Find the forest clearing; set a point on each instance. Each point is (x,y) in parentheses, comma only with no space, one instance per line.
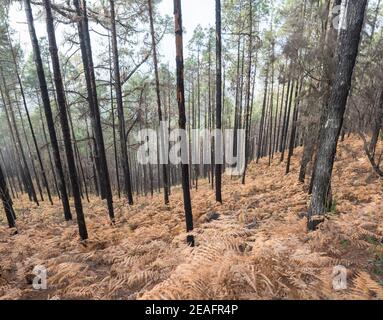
(256,246)
(191,150)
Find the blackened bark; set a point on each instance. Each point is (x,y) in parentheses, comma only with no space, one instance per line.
(293,133)
(17,140)
(28,147)
(248,91)
(287,123)
(45,137)
(62,106)
(378,124)
(159,110)
(113,121)
(182,116)
(329,64)
(6,200)
(43,173)
(348,51)
(48,112)
(218,142)
(263,115)
(87,59)
(120,108)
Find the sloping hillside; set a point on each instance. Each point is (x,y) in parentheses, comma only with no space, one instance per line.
(254,246)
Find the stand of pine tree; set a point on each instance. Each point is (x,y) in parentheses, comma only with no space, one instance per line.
(242,159)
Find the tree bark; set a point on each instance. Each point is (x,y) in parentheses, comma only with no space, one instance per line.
(120,108)
(48,112)
(62,106)
(6,200)
(348,51)
(218,143)
(182,116)
(87,59)
(159,109)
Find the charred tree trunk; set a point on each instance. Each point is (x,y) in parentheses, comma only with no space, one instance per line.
(62,106)
(294,126)
(87,59)
(348,51)
(159,109)
(43,173)
(120,109)
(48,111)
(378,124)
(17,140)
(218,142)
(182,116)
(248,91)
(114,122)
(6,200)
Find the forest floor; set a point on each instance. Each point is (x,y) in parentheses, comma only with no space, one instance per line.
(254,246)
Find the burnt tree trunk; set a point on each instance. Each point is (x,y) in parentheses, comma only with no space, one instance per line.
(62,106)
(248,91)
(218,142)
(182,116)
(6,200)
(43,173)
(17,140)
(120,109)
(87,60)
(348,51)
(159,109)
(48,112)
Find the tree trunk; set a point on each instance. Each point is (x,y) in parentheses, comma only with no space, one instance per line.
(87,59)
(248,90)
(182,116)
(159,109)
(62,106)
(48,112)
(348,51)
(113,121)
(218,100)
(294,126)
(378,124)
(6,200)
(120,109)
(17,140)
(45,181)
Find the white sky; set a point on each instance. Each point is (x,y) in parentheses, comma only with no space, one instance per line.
(194,12)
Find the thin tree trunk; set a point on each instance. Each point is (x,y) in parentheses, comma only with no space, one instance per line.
(159,109)
(87,59)
(7,201)
(293,133)
(120,109)
(247,112)
(45,181)
(218,100)
(29,150)
(286,125)
(263,115)
(48,111)
(12,120)
(113,121)
(182,116)
(62,105)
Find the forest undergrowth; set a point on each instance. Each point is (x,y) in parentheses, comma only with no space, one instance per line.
(254,246)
